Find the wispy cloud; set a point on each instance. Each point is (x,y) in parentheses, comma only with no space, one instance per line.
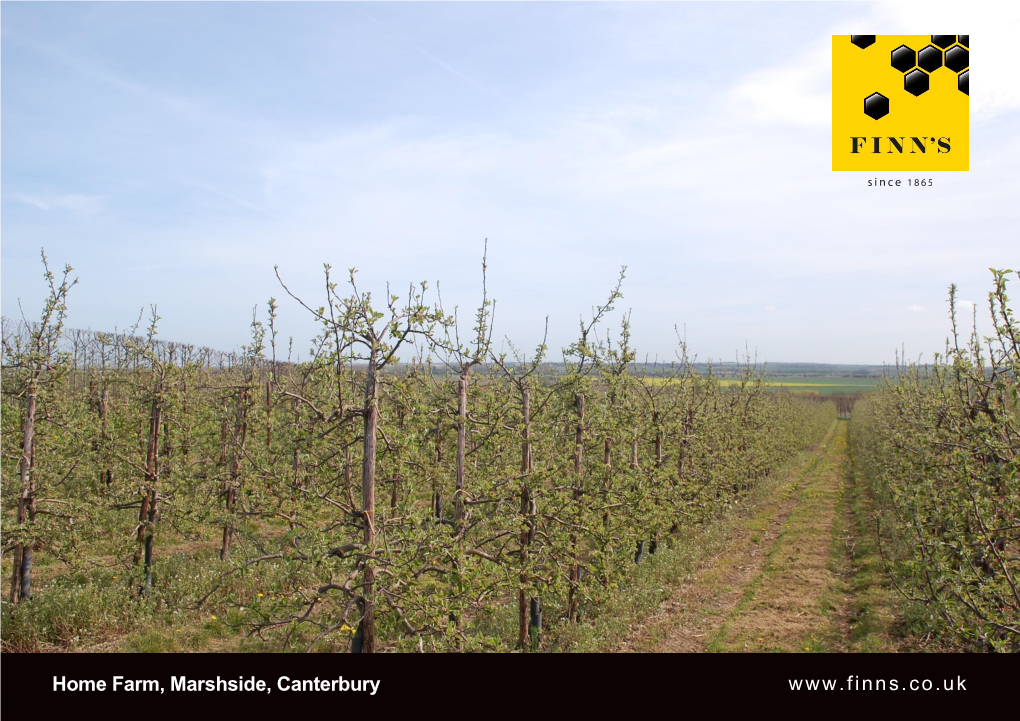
(430,55)
(233,198)
(73,203)
(95,70)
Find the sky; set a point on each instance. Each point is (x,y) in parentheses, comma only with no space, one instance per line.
(174,153)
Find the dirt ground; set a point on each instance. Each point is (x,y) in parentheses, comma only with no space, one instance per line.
(780,584)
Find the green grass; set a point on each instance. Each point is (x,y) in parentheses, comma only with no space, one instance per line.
(806,384)
(854,554)
(656,579)
(822,386)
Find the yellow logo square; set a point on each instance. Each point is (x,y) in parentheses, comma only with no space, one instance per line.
(900,102)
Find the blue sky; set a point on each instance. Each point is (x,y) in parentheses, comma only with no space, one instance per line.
(174,153)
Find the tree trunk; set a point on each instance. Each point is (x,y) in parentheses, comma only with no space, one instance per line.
(461,447)
(240,435)
(437,496)
(527,522)
(640,552)
(654,546)
(106,475)
(21,577)
(150,530)
(575,569)
(658,440)
(371,427)
(269,413)
(224,429)
(607,461)
(147,512)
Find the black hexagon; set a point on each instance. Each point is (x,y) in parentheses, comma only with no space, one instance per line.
(863,41)
(943,41)
(916,82)
(957,58)
(929,59)
(964,40)
(903,58)
(876,106)
(963,82)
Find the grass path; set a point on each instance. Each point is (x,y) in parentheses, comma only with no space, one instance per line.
(797,575)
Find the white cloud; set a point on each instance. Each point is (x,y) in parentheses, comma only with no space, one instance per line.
(994,28)
(795,94)
(798,93)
